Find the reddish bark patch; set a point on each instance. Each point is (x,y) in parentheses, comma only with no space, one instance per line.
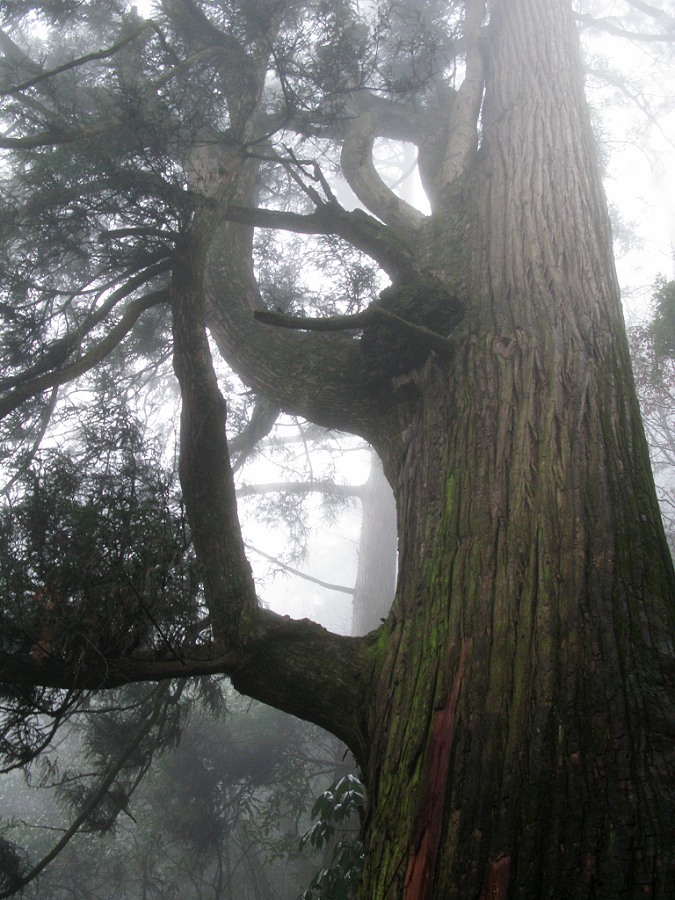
(428,828)
(497,879)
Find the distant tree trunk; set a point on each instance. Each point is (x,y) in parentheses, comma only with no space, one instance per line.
(376,571)
(260,888)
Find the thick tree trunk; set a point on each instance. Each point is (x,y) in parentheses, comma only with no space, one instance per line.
(514,715)
(521,716)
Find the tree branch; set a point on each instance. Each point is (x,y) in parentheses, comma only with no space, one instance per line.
(57,136)
(374,314)
(647,8)
(609,26)
(331,587)
(322,378)
(87,361)
(294,665)
(356,227)
(58,351)
(263,419)
(204,464)
(462,137)
(330,488)
(361,175)
(35,446)
(81,60)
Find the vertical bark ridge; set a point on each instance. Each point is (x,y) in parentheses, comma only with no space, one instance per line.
(429,821)
(528,529)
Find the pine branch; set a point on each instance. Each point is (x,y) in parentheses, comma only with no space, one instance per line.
(59,350)
(90,359)
(80,61)
(161,692)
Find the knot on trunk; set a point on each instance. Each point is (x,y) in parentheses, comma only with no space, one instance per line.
(390,351)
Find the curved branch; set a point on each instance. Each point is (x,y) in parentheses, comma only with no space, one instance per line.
(397,120)
(361,175)
(91,358)
(462,139)
(356,227)
(321,377)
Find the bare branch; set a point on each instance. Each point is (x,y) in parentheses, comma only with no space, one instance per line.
(374,314)
(340,588)
(360,173)
(330,488)
(610,26)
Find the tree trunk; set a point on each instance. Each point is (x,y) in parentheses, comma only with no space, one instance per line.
(520,717)
(514,715)
(376,570)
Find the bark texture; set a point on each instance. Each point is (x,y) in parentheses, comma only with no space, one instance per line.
(524,700)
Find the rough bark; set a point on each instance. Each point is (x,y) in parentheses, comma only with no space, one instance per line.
(520,725)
